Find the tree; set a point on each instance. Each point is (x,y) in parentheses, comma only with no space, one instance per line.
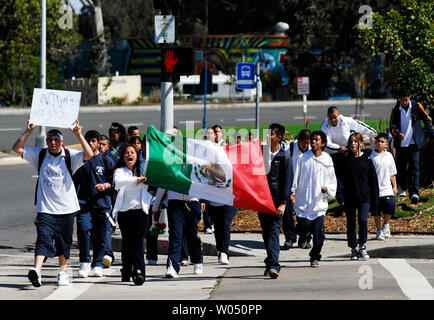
(20,22)
(406,36)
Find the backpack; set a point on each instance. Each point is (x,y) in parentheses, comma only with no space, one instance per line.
(41,158)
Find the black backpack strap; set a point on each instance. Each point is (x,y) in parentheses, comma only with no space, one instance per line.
(41,158)
(291,148)
(68,161)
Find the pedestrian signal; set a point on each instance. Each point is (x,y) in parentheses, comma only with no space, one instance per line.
(177,60)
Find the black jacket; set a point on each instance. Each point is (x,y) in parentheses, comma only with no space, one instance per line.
(417,114)
(280,177)
(359,179)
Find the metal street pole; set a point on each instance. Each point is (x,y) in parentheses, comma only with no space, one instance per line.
(40,139)
(258,84)
(305,110)
(204,126)
(166,122)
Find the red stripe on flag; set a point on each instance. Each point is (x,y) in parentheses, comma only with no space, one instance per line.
(250,185)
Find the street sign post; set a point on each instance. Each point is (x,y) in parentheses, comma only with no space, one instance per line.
(303,89)
(245,75)
(165,29)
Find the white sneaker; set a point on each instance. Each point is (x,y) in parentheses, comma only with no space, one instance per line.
(198,268)
(184,262)
(85,267)
(171,272)
(386,231)
(63,279)
(223,258)
(208,231)
(380,235)
(107,261)
(34,276)
(363,254)
(96,272)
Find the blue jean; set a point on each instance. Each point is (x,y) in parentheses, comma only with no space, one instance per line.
(270,225)
(222,217)
(207,219)
(362,219)
(314,228)
(92,227)
(408,178)
(288,226)
(108,248)
(183,218)
(151,242)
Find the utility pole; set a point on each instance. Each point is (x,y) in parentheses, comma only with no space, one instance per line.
(166,120)
(258,85)
(204,121)
(40,138)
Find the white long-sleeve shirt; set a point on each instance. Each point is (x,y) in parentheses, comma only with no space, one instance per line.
(311,174)
(338,136)
(130,194)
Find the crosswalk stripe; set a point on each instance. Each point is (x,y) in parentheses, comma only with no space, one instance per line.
(412,283)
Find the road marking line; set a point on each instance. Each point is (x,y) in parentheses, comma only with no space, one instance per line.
(412,283)
(10,129)
(133,124)
(245,120)
(301,118)
(75,289)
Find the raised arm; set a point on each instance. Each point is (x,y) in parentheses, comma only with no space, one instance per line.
(19,144)
(88,154)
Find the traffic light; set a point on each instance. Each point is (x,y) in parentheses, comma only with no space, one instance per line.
(176,60)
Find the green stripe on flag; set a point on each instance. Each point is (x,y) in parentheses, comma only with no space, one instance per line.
(167,167)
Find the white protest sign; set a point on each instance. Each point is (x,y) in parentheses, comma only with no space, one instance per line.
(55,108)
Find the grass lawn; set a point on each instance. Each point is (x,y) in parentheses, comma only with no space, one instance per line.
(292,128)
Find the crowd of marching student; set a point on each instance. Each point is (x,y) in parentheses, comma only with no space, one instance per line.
(106,187)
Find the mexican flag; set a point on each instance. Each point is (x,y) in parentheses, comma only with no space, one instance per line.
(233,175)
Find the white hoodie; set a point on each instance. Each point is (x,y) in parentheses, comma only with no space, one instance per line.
(311,174)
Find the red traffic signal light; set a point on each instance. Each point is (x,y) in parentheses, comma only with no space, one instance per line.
(177,60)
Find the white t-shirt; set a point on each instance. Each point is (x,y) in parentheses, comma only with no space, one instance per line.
(385,167)
(56,192)
(406,127)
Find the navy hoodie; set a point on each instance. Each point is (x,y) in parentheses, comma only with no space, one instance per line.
(90,174)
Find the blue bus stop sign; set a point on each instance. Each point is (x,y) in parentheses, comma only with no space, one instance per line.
(245,75)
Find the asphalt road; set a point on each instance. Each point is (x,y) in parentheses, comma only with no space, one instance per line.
(11,125)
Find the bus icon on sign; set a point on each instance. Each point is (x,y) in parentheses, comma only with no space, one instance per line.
(245,72)
(245,75)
